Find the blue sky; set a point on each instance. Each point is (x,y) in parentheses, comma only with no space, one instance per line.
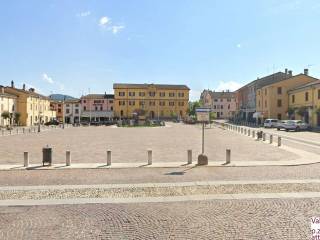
(69,46)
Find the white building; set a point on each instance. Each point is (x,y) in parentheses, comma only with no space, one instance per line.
(72,111)
(8,103)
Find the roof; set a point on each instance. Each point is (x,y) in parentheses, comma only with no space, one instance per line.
(315,82)
(146,85)
(28,92)
(271,79)
(73,100)
(8,95)
(213,94)
(99,96)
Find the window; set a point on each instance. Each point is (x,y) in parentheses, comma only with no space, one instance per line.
(59,110)
(221,100)
(265,92)
(132,94)
(84,101)
(279,90)
(77,105)
(142,94)
(229,106)
(259,103)
(171,94)
(171,103)
(318,93)
(279,116)
(110,101)
(181,94)
(228,99)
(279,103)
(214,107)
(221,107)
(132,103)
(293,98)
(306,96)
(67,111)
(77,111)
(141,103)
(101,108)
(181,104)
(216,100)
(111,108)
(122,103)
(122,94)
(152,103)
(84,108)
(265,103)
(162,103)
(152,94)
(162,94)
(96,108)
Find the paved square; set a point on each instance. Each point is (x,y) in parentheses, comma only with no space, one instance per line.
(169,144)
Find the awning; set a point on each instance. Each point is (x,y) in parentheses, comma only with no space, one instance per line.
(257,115)
(97,114)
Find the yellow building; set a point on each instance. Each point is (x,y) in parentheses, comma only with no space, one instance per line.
(8,105)
(272,97)
(34,108)
(304,103)
(152,100)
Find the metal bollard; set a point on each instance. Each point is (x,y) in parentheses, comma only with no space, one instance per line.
(149,157)
(249,132)
(108,158)
(263,137)
(189,156)
(279,141)
(68,158)
(271,139)
(253,134)
(241,130)
(245,131)
(25,159)
(228,156)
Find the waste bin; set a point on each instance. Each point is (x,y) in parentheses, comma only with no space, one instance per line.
(47,156)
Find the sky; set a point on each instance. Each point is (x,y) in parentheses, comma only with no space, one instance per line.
(75,46)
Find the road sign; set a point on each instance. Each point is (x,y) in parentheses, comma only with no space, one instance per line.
(203,114)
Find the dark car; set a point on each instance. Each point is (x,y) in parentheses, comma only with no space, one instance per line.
(52,122)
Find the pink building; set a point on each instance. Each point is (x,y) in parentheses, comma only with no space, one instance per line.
(97,107)
(223,104)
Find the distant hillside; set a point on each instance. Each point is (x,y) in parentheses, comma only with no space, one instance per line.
(60,97)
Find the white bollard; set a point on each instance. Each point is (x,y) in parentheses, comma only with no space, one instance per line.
(263,137)
(228,156)
(253,134)
(189,156)
(149,157)
(68,158)
(26,159)
(249,132)
(108,158)
(271,139)
(279,141)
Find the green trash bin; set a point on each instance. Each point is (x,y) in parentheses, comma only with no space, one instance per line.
(47,156)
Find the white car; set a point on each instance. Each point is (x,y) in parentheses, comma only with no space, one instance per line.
(270,123)
(295,125)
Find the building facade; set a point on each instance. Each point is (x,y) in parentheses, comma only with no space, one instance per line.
(97,107)
(223,104)
(304,103)
(272,99)
(72,111)
(155,101)
(8,104)
(58,107)
(33,107)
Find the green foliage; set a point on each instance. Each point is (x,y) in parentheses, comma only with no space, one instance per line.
(302,111)
(213,116)
(5,115)
(17,117)
(192,107)
(291,111)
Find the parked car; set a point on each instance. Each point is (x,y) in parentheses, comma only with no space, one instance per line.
(295,125)
(52,122)
(270,123)
(280,124)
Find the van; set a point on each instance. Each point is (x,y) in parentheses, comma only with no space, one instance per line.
(270,123)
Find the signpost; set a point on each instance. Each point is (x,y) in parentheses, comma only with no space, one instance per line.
(203,116)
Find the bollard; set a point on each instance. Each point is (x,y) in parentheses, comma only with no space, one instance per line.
(271,139)
(108,158)
(253,134)
(279,141)
(10,131)
(263,137)
(189,156)
(25,159)
(249,132)
(149,157)
(17,130)
(68,158)
(23,130)
(245,131)
(228,156)
(241,130)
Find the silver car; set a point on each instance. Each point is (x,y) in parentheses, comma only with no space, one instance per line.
(295,125)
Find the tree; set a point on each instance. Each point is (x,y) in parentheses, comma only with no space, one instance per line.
(212,116)
(5,115)
(17,117)
(192,107)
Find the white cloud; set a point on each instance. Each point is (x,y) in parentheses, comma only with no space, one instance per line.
(46,78)
(116,29)
(104,21)
(194,95)
(231,85)
(84,14)
(239,45)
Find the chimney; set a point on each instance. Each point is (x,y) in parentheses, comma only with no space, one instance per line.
(12,84)
(31,89)
(290,73)
(306,71)
(23,87)
(286,71)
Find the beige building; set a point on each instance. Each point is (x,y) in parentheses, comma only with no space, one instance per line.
(272,97)
(152,100)
(7,105)
(33,107)
(223,104)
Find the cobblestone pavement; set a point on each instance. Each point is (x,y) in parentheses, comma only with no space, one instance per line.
(143,175)
(169,144)
(215,219)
